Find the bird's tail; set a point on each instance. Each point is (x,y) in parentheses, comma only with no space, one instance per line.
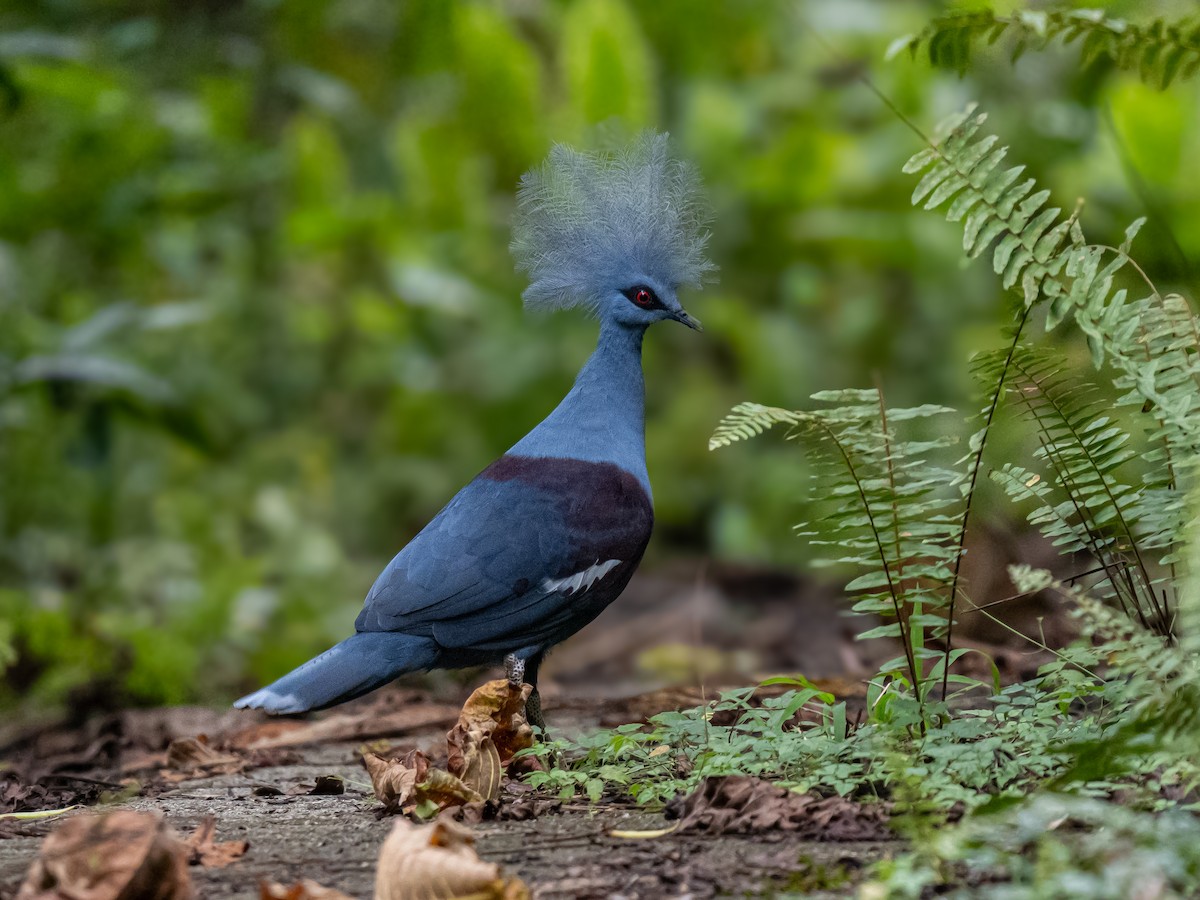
(359,664)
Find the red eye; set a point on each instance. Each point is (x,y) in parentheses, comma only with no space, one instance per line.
(643,298)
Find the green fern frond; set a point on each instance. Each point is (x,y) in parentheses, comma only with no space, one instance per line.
(1056,521)
(1158,52)
(892,512)
(996,207)
(1152,344)
(1084,447)
(747,420)
(886,509)
(1164,680)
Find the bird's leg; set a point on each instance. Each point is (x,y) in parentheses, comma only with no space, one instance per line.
(519,671)
(533,711)
(514,670)
(533,706)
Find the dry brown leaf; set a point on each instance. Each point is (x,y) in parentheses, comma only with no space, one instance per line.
(445,790)
(195,758)
(123,855)
(491,728)
(495,710)
(301,890)
(438,862)
(508,811)
(141,761)
(395,779)
(204,851)
(739,804)
(480,761)
(20,793)
(405,783)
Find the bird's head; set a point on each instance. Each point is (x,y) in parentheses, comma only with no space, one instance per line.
(617,233)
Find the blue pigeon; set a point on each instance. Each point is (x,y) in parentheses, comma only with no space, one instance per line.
(546,537)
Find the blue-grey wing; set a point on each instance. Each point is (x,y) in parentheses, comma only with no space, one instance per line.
(528,549)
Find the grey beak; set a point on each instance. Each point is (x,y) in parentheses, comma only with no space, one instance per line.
(688,320)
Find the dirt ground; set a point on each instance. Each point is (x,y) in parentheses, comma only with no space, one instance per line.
(568,852)
(336,840)
(697,627)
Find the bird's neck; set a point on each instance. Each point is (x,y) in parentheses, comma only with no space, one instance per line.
(603,418)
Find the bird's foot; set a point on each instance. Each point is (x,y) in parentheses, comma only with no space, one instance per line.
(514,670)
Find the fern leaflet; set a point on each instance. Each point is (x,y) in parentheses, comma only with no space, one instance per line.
(1159,53)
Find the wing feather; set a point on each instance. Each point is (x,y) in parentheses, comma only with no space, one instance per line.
(515,557)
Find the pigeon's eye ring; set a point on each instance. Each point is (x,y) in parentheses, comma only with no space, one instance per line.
(642,297)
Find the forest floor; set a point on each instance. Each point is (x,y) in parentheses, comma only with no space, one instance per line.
(263,780)
(565,851)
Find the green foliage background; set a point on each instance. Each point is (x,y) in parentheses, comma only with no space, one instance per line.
(258,320)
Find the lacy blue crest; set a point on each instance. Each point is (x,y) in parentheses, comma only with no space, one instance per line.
(588,223)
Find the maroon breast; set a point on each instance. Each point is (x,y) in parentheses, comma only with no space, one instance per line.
(605,509)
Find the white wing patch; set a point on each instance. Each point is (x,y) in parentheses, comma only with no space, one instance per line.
(580,581)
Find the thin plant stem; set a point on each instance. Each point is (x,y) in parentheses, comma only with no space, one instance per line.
(976,466)
(905,635)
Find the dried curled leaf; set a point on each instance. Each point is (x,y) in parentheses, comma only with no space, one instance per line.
(406,783)
(520,810)
(204,851)
(490,730)
(438,862)
(740,804)
(495,710)
(445,790)
(480,764)
(394,780)
(123,855)
(195,758)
